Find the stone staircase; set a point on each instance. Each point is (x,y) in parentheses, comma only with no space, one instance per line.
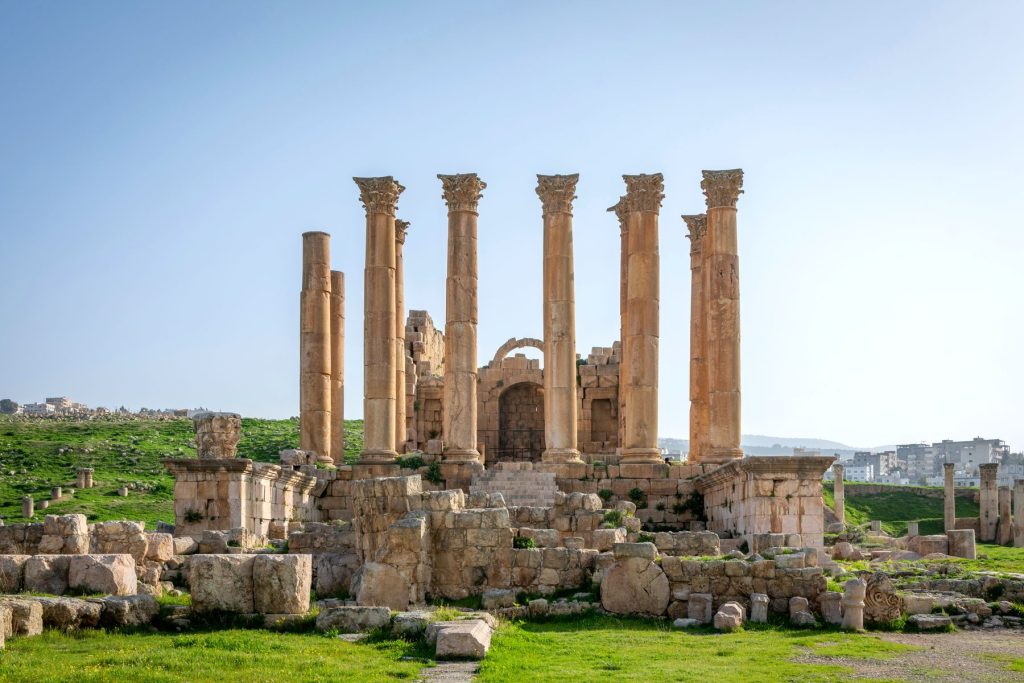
(520,487)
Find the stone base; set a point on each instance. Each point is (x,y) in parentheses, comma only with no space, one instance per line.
(720,456)
(561,455)
(637,470)
(459,475)
(375,456)
(370,470)
(641,455)
(462,455)
(563,470)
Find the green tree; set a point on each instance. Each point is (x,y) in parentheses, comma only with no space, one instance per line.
(7,406)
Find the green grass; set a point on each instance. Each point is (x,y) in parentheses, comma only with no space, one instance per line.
(601,648)
(991,558)
(122,451)
(224,656)
(895,508)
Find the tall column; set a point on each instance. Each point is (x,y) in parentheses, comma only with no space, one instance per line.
(380,197)
(462,194)
(401,227)
(556,194)
(620,213)
(1018,513)
(839,492)
(315,345)
(640,343)
(1004,534)
(989,502)
(949,497)
(722,297)
(338,367)
(697,225)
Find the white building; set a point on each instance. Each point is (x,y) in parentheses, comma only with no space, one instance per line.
(39,409)
(859,473)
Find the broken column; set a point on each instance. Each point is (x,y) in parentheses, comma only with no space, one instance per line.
(56,493)
(28,507)
(459,419)
(217,435)
(1018,513)
(338,367)
(839,493)
(315,345)
(556,194)
(722,297)
(639,367)
(401,228)
(1004,533)
(380,198)
(698,373)
(989,501)
(949,497)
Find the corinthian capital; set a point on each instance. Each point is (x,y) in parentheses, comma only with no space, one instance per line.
(644,192)
(379,195)
(722,188)
(698,225)
(401,227)
(556,192)
(462,191)
(620,213)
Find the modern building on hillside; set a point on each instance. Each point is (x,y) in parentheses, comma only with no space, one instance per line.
(967,455)
(883,463)
(864,473)
(39,409)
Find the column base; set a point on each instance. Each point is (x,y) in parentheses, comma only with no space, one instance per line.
(720,456)
(369,470)
(461,455)
(459,474)
(641,455)
(563,470)
(374,456)
(560,455)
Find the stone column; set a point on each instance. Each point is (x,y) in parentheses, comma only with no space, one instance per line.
(56,493)
(698,371)
(839,493)
(1018,513)
(639,367)
(401,227)
(380,197)
(1004,534)
(854,594)
(989,518)
(338,367)
(315,345)
(722,297)
(459,419)
(620,213)
(88,478)
(556,194)
(949,497)
(27,507)
(80,482)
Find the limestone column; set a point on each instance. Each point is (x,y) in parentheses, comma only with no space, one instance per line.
(401,227)
(338,367)
(698,376)
(380,197)
(1018,513)
(556,194)
(459,416)
(1004,534)
(839,493)
(949,497)
(315,345)
(989,502)
(27,507)
(620,213)
(722,297)
(640,342)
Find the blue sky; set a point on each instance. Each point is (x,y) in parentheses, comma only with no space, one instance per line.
(160,161)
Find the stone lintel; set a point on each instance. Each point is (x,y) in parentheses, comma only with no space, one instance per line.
(379,195)
(557,192)
(722,188)
(178,466)
(765,467)
(461,191)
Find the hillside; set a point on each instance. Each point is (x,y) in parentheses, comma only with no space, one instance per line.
(902,504)
(36,455)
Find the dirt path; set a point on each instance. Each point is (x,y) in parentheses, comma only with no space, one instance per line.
(450,672)
(944,657)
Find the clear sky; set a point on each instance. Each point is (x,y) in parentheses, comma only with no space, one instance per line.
(159,161)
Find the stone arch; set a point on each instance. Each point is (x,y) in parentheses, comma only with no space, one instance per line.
(521,422)
(513,344)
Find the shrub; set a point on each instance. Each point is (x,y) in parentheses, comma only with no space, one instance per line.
(695,506)
(434,473)
(193,516)
(605,494)
(660,507)
(644,537)
(523,542)
(638,497)
(411,462)
(679,509)
(613,519)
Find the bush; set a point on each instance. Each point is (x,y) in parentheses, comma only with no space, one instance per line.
(434,473)
(193,516)
(613,519)
(605,494)
(638,497)
(411,462)
(523,542)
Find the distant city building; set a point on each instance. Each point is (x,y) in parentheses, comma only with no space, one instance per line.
(39,409)
(883,463)
(853,472)
(60,403)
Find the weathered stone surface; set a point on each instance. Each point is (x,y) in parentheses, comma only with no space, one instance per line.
(217,434)
(758,608)
(47,574)
(853,604)
(352,619)
(926,545)
(380,585)
(685,623)
(831,607)
(962,543)
(281,583)
(845,551)
(729,617)
(499,597)
(700,607)
(159,547)
(70,613)
(606,539)
(64,535)
(410,624)
(469,639)
(802,619)
(930,622)
(635,585)
(26,616)
(120,536)
(12,573)
(185,545)
(646,551)
(109,574)
(881,603)
(222,582)
(128,610)
(332,572)
(6,623)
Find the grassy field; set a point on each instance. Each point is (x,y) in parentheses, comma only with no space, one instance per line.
(37,454)
(894,509)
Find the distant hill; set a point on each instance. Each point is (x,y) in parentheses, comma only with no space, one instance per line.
(756,444)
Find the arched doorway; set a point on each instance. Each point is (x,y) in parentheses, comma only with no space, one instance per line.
(521,422)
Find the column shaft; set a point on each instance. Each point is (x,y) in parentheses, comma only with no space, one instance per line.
(560,410)
(698,375)
(380,197)
(620,213)
(640,342)
(315,345)
(401,428)
(722,297)
(459,417)
(839,493)
(1004,533)
(989,502)
(1018,513)
(338,367)
(948,497)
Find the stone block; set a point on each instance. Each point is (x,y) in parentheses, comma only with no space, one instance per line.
(47,574)
(12,573)
(645,551)
(128,610)
(606,539)
(26,616)
(159,547)
(699,607)
(962,543)
(497,598)
(831,607)
(926,545)
(380,585)
(185,545)
(281,583)
(70,613)
(729,617)
(352,619)
(930,622)
(758,608)
(469,639)
(635,585)
(222,583)
(107,574)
